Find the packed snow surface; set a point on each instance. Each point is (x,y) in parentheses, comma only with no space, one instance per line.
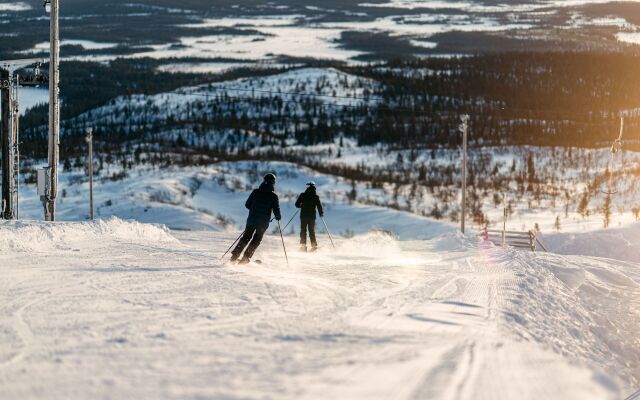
(402,308)
(120,309)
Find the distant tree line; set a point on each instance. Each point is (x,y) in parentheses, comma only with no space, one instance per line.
(545,99)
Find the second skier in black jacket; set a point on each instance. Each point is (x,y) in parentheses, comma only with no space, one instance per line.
(308,202)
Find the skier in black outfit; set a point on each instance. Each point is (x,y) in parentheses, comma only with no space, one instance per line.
(261,203)
(307,203)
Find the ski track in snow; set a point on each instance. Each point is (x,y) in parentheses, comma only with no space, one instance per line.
(125,318)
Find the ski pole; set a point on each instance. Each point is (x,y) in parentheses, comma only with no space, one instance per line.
(234,243)
(329,233)
(294,215)
(283,246)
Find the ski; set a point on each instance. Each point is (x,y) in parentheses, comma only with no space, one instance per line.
(237,262)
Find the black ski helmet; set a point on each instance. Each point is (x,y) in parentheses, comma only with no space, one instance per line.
(270,178)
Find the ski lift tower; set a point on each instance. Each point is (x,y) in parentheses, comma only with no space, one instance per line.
(9,135)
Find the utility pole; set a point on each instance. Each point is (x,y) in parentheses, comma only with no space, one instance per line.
(6,90)
(90,158)
(54,112)
(16,147)
(464,127)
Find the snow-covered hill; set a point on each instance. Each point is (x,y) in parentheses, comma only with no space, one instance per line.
(289,93)
(213,198)
(124,310)
(276,117)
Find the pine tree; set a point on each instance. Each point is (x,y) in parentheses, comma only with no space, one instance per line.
(606,211)
(353,194)
(436,213)
(583,207)
(531,172)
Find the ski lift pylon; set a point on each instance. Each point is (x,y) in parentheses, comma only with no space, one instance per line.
(33,77)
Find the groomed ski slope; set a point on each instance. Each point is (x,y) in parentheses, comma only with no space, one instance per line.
(126,310)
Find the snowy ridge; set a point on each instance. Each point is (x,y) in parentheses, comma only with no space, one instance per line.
(34,236)
(615,243)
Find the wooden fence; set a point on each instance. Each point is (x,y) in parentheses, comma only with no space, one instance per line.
(522,240)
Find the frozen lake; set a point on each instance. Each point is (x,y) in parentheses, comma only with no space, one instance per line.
(29,97)
(349,32)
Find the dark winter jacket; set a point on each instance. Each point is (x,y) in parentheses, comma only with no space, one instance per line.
(261,203)
(308,202)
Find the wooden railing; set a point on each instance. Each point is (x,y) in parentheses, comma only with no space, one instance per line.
(522,240)
(634,396)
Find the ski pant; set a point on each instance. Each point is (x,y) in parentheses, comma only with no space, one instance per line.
(308,224)
(252,236)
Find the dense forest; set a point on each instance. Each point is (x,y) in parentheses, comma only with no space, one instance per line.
(562,99)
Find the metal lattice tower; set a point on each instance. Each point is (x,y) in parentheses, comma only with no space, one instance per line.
(9,135)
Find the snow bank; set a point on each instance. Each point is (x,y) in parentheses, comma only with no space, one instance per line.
(375,247)
(584,308)
(40,236)
(374,244)
(370,250)
(618,243)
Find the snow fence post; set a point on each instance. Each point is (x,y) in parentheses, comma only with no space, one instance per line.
(504,220)
(532,241)
(90,170)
